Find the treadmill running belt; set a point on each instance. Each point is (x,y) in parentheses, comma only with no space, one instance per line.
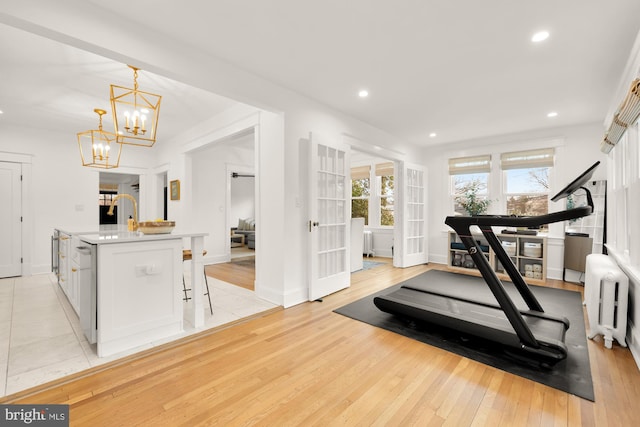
(465,305)
(481,320)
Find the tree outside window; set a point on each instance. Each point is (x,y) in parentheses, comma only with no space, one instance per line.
(470,193)
(469,185)
(527,191)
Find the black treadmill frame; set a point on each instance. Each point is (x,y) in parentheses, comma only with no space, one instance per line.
(462,226)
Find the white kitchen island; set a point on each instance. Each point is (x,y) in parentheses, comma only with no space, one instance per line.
(131,295)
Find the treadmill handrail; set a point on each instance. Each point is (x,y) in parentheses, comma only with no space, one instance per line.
(521,221)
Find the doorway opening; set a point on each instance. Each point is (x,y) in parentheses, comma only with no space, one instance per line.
(224,200)
(112,184)
(242,213)
(373,213)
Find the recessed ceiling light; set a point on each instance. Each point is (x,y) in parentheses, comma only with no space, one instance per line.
(552,114)
(432,135)
(1,112)
(363,93)
(540,36)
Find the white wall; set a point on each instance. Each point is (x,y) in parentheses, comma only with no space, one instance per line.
(577,147)
(623,201)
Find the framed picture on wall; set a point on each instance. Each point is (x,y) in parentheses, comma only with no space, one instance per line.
(175,190)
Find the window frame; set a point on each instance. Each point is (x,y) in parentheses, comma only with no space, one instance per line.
(375,170)
(382,197)
(469,165)
(383,169)
(542,158)
(367,198)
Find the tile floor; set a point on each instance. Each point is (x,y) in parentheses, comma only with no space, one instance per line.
(41,339)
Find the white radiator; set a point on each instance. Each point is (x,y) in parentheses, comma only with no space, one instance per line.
(606,290)
(367,246)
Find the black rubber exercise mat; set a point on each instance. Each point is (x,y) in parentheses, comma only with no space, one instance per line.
(572,375)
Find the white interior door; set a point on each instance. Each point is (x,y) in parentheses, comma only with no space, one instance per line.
(10,219)
(414,208)
(329,225)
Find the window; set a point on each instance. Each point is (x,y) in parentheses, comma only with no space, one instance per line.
(360,192)
(372,194)
(104,202)
(105,197)
(469,183)
(385,184)
(526,181)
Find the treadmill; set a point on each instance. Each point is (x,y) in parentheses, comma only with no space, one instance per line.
(531,335)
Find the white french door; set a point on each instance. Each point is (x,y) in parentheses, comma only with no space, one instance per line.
(10,219)
(329,225)
(414,216)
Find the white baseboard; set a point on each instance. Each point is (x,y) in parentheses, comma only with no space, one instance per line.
(438,259)
(554,273)
(216,259)
(273,296)
(37,269)
(383,253)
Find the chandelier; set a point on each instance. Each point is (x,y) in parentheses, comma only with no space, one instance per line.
(135,113)
(99,143)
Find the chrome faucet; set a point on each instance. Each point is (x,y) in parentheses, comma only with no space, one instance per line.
(135,208)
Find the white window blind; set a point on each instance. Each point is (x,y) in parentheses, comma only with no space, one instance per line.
(360,172)
(384,169)
(527,159)
(468,165)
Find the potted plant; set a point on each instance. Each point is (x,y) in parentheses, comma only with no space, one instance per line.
(470,201)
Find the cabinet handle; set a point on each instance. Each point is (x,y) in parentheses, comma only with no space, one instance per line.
(74,270)
(64,238)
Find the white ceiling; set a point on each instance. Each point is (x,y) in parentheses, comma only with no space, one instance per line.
(462,69)
(49,85)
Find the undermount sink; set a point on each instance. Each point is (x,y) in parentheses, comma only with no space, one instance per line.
(156,227)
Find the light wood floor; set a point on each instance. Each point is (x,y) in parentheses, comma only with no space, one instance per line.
(240,272)
(309,366)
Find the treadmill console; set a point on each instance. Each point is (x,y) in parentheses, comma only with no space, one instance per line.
(576,184)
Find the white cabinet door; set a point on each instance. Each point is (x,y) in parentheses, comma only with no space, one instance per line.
(64,262)
(72,290)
